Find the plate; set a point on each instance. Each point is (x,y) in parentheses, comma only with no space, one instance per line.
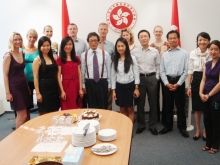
(99,146)
(80,118)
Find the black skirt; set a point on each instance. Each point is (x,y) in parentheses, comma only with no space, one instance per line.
(197,104)
(49,91)
(124,94)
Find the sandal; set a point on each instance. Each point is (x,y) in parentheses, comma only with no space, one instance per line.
(205,148)
(213,151)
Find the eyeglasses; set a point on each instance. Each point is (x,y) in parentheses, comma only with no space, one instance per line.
(93,41)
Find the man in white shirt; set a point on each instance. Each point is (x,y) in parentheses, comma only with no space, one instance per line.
(108,46)
(95,68)
(173,72)
(148,60)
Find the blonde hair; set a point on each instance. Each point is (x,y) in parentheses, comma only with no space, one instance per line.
(10,42)
(103,23)
(47,26)
(32,31)
(131,34)
(158,27)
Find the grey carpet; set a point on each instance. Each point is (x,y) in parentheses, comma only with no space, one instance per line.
(147,149)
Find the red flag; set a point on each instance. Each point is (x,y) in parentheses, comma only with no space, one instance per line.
(175,18)
(65,18)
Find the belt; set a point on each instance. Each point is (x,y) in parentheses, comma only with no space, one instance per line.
(173,77)
(147,75)
(70,77)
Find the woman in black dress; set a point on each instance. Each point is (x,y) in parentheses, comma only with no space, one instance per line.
(45,78)
(16,86)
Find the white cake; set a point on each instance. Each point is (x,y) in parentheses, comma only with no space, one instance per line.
(78,138)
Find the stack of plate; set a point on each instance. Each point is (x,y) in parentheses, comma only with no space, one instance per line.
(107,135)
(78,138)
(93,123)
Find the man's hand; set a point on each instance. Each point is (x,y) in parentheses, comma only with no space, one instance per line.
(175,86)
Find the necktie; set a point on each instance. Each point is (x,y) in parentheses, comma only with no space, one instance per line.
(95,67)
(102,45)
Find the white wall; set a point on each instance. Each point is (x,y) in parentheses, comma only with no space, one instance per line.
(194,16)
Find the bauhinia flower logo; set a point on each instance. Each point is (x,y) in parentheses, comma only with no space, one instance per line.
(121,17)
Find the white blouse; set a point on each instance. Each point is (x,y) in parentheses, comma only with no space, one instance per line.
(125,78)
(194,61)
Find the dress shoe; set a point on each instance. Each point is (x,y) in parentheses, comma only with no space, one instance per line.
(140,130)
(196,137)
(153,131)
(184,133)
(165,130)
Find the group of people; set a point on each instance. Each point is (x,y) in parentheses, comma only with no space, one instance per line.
(94,75)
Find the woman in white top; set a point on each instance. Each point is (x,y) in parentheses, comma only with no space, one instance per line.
(125,78)
(129,36)
(48,31)
(161,46)
(197,60)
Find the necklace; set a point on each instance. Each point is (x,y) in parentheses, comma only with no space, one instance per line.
(18,57)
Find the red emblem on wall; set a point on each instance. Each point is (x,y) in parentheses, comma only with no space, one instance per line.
(121,15)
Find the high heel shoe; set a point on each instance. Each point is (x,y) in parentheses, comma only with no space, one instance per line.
(196,137)
(203,138)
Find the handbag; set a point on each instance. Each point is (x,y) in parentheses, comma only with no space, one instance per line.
(215,105)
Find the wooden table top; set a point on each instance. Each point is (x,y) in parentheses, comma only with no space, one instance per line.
(16,148)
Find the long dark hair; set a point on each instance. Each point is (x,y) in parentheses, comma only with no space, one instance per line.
(128,60)
(63,53)
(50,53)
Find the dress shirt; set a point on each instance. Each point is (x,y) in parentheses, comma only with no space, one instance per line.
(80,46)
(122,77)
(174,63)
(148,60)
(107,65)
(109,47)
(194,60)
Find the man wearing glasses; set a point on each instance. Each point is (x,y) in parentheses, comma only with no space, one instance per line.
(95,68)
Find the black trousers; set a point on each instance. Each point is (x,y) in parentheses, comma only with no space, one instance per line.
(161,86)
(212,125)
(97,93)
(178,97)
(84,101)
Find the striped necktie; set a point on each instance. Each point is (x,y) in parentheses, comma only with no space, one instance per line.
(95,67)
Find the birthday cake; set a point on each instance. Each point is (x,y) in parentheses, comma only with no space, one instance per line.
(90,114)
